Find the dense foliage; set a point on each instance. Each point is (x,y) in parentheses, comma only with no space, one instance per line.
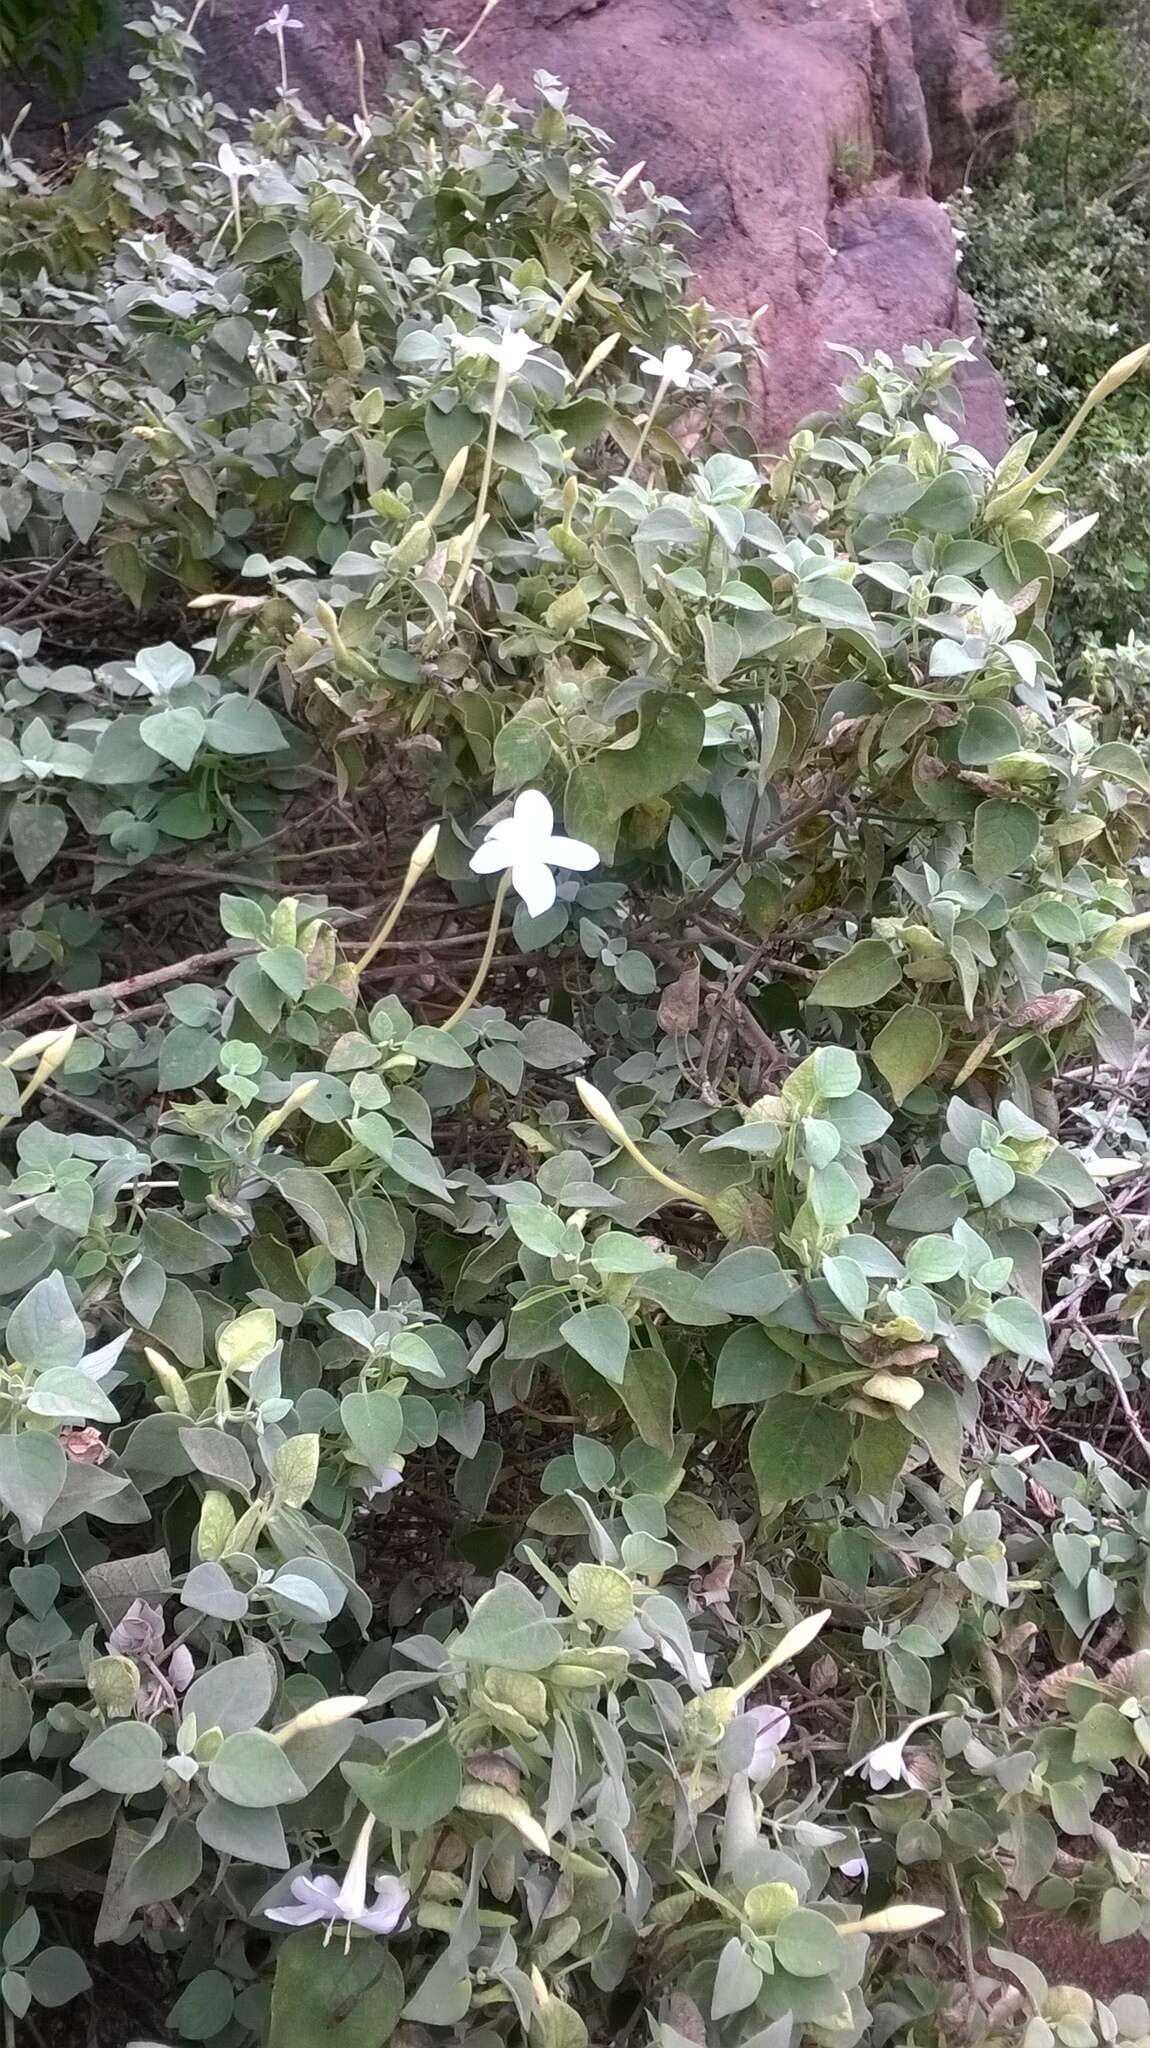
(1057,254)
(50,40)
(543,1476)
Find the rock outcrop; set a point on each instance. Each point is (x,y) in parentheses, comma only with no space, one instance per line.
(810,140)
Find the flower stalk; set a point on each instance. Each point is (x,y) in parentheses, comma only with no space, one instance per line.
(417,867)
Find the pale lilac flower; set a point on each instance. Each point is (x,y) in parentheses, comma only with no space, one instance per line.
(140,1633)
(181,1668)
(385,1479)
(321,1900)
(772,1725)
(855,1868)
(525,845)
(84,1446)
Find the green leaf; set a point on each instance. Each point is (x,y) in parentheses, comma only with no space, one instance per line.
(602,1336)
(437,1048)
(125,565)
(56,1976)
(664,752)
(751,1368)
(187,1057)
(164,1868)
(126,1758)
(316,263)
(33,1470)
(250,1769)
(234,1694)
(796,1447)
(1005,838)
(419,1783)
(320,1205)
(647,1390)
(748,1282)
(1125,763)
(177,1246)
(37,832)
(245,1341)
(286,967)
(834,603)
(295,1470)
(862,976)
(70,1396)
(204,2007)
(44,1329)
(242,725)
(253,1834)
(947,505)
(936,1421)
(319,1994)
(738,1980)
(220,1457)
(176,734)
(542,1230)
(374,1424)
(1017,1327)
(508,1627)
(908,1049)
(807,1944)
(833,1197)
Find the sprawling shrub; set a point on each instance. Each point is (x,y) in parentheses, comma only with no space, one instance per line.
(540,1487)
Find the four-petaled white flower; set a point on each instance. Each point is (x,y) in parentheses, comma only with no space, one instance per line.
(672,367)
(277,22)
(508,353)
(320,1899)
(525,847)
(515,345)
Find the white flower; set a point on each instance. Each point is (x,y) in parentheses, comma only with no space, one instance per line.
(1042,369)
(525,846)
(277,22)
(672,367)
(322,1899)
(700,1672)
(232,164)
(772,1725)
(515,345)
(941,432)
(887,1765)
(510,352)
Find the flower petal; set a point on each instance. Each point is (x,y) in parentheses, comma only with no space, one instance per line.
(570,853)
(490,857)
(534,818)
(297,1916)
(390,1904)
(534,882)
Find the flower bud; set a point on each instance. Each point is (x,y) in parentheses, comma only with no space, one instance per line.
(113,1683)
(170,1381)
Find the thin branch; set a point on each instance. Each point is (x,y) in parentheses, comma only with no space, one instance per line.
(1124,1401)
